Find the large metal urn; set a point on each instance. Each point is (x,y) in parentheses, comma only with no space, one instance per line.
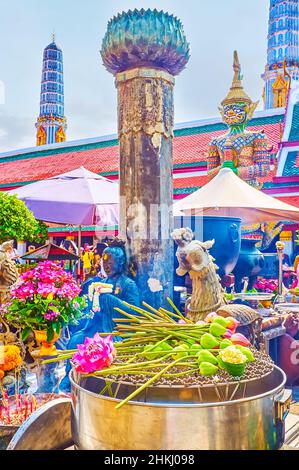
(251,416)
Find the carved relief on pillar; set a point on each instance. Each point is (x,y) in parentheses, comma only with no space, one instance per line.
(145,102)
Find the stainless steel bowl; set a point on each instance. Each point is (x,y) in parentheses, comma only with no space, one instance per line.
(181,418)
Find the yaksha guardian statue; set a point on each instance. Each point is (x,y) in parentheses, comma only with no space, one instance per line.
(247,153)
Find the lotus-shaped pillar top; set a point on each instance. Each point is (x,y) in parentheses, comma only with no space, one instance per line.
(145,38)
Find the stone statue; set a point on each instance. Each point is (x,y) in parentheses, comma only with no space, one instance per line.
(193,257)
(123,289)
(207,293)
(8,270)
(246,153)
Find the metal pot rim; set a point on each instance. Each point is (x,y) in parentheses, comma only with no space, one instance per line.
(274,392)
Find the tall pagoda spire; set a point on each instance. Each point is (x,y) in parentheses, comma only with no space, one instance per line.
(51,123)
(283,52)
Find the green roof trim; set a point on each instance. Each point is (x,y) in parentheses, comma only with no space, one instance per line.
(46,153)
(22,183)
(84,228)
(219,126)
(190,164)
(185,190)
(110,173)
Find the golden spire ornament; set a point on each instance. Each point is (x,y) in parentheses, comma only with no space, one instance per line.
(236,93)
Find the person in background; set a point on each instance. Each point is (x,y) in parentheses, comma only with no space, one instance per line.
(88,258)
(70,266)
(81,277)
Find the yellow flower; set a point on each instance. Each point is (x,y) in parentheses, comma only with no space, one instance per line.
(10,357)
(232,355)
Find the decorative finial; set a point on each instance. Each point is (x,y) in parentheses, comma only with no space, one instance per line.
(145,38)
(53,36)
(237,69)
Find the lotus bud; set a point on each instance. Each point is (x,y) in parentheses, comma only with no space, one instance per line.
(206,356)
(182,322)
(233,324)
(217,330)
(222,321)
(238,338)
(247,352)
(225,343)
(194,349)
(210,317)
(206,368)
(180,351)
(228,334)
(208,341)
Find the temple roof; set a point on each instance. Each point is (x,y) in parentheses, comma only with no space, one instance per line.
(100,154)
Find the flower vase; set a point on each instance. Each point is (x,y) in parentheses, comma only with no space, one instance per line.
(47,374)
(48,348)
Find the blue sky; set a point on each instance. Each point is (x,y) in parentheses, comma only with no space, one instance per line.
(214,29)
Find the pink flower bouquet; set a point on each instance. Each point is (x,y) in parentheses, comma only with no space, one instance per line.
(266,285)
(44,298)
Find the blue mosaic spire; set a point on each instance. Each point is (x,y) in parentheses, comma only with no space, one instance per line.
(283,51)
(51,123)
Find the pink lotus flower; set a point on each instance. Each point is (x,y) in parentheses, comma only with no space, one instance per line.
(228,334)
(210,317)
(233,325)
(240,339)
(94,354)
